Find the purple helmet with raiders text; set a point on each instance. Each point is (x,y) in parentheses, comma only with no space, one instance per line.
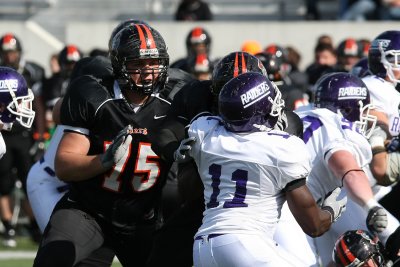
(384,55)
(249,103)
(231,66)
(15,99)
(347,95)
(358,248)
(129,48)
(360,69)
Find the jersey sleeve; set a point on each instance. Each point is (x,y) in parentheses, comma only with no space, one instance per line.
(83,98)
(199,128)
(294,162)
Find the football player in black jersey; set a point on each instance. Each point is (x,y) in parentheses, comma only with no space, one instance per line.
(173,242)
(115,177)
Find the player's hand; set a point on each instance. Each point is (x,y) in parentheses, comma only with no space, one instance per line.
(377,219)
(118,148)
(378,137)
(182,153)
(334,205)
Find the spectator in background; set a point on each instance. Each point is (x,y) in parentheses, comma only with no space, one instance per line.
(390,10)
(200,67)
(54,64)
(299,78)
(56,85)
(193,10)
(325,60)
(198,41)
(251,46)
(358,10)
(325,38)
(349,52)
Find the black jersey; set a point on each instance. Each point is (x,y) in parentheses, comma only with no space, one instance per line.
(130,190)
(193,99)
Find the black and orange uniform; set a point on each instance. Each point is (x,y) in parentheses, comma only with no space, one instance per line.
(119,207)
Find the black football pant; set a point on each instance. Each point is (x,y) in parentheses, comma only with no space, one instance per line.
(72,235)
(17,158)
(173,242)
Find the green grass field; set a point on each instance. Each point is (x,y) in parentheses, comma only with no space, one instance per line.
(28,250)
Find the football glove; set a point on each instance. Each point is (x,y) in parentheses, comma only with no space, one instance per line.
(377,219)
(334,205)
(181,155)
(117,149)
(378,137)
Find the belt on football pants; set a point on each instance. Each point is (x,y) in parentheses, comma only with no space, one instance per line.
(207,237)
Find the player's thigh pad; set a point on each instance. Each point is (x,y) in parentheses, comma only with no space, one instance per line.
(77,227)
(241,250)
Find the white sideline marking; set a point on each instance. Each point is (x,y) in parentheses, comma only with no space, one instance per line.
(37,29)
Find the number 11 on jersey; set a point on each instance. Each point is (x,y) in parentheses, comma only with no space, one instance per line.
(240,179)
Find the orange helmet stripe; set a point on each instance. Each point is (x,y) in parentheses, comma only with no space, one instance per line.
(345,254)
(150,36)
(236,66)
(141,37)
(244,68)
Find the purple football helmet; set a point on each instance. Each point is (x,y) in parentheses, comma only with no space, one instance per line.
(249,103)
(347,95)
(360,69)
(384,55)
(15,99)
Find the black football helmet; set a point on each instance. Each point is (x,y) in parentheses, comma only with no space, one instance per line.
(347,95)
(357,247)
(273,65)
(120,26)
(9,42)
(133,44)
(231,66)
(196,36)
(68,56)
(249,103)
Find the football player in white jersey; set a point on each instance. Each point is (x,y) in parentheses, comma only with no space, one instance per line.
(384,64)
(15,102)
(43,187)
(335,135)
(15,106)
(249,168)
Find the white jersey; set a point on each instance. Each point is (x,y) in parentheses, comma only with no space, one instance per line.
(325,132)
(386,99)
(244,175)
(2,146)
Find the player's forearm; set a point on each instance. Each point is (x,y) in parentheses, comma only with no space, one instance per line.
(358,187)
(72,167)
(313,220)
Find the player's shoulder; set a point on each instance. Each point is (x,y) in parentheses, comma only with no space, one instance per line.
(99,67)
(88,88)
(205,123)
